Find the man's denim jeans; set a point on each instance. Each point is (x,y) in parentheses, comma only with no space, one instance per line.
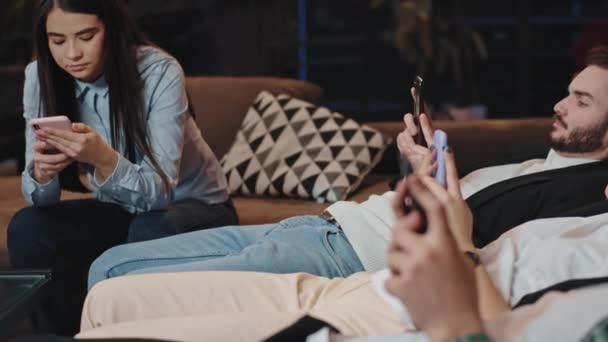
(298,244)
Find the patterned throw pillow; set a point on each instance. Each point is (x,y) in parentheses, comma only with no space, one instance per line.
(288,147)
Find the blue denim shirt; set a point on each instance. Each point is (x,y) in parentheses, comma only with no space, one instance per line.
(186,159)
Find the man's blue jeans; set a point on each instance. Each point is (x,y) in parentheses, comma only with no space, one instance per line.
(298,244)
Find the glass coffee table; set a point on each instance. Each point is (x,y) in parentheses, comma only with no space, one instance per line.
(21,292)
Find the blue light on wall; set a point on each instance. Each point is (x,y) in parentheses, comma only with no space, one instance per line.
(302,41)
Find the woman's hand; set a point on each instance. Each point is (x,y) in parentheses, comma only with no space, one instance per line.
(48,163)
(408,148)
(430,274)
(457,209)
(83,144)
(458,212)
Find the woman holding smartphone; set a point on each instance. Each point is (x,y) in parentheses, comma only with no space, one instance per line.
(132,133)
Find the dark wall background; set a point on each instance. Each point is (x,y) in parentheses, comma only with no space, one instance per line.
(533,47)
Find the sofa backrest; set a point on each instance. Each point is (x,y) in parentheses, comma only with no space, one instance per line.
(221,103)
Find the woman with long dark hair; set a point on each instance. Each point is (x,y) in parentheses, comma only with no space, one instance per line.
(132,133)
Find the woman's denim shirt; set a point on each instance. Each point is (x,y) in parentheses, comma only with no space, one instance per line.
(190,165)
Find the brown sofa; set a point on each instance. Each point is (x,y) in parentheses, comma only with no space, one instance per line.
(219,122)
(486,142)
(221,103)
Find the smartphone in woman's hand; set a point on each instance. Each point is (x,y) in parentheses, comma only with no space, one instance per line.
(57,122)
(61,122)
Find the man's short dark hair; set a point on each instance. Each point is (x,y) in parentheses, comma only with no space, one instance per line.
(598,56)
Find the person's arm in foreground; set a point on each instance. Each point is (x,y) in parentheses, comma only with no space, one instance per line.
(460,218)
(431,275)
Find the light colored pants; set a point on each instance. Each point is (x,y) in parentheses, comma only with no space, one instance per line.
(298,244)
(231,306)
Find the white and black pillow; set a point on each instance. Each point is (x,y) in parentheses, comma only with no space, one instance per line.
(288,147)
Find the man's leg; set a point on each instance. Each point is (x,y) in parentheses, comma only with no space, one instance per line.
(174,250)
(300,244)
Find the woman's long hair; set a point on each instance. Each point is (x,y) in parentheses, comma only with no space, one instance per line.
(57,88)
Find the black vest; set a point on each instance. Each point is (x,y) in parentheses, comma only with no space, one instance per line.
(504,205)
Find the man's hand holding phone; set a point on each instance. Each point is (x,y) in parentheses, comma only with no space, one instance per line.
(418,132)
(409,150)
(48,161)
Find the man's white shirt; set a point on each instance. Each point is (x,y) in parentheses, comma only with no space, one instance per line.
(368,225)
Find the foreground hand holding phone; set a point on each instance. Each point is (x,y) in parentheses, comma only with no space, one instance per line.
(458,212)
(443,288)
(429,272)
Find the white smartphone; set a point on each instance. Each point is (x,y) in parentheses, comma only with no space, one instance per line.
(58,122)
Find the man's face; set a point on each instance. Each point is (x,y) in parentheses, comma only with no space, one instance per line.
(581,119)
(76,42)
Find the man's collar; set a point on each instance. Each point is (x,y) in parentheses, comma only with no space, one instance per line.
(555,159)
(99,87)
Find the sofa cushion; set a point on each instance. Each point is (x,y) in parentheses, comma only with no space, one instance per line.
(289,147)
(221,103)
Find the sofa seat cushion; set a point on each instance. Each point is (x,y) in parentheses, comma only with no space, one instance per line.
(271,210)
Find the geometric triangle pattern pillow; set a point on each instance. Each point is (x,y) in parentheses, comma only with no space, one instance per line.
(287,147)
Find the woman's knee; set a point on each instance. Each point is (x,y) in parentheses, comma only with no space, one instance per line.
(149,226)
(27,238)
(181,217)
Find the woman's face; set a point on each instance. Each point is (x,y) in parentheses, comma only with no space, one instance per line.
(76,42)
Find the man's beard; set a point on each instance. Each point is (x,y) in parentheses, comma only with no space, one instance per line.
(581,140)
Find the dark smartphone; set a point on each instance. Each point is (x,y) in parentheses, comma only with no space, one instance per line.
(410,203)
(417,85)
